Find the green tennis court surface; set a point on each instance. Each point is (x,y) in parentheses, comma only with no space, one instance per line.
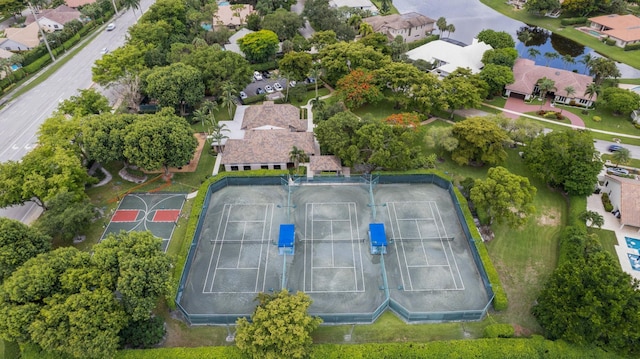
(155,212)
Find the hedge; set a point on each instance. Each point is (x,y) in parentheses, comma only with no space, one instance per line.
(428,39)
(573,21)
(632,47)
(38,64)
(498,348)
(610,42)
(499,330)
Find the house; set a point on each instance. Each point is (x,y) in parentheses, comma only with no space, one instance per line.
(266,149)
(78,3)
(5,54)
(265,136)
(625,29)
(21,38)
(365,5)
(232,16)
(411,26)
(233,41)
(526,74)
(447,56)
(54,19)
(624,194)
(325,163)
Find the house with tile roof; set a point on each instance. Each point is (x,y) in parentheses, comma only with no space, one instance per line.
(625,29)
(447,56)
(233,40)
(624,194)
(325,163)
(272,116)
(232,16)
(365,5)
(411,26)
(526,74)
(54,19)
(21,38)
(77,3)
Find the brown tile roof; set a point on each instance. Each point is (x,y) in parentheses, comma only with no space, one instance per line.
(224,15)
(62,15)
(27,35)
(4,54)
(527,74)
(266,146)
(325,163)
(398,21)
(630,200)
(623,27)
(283,116)
(78,3)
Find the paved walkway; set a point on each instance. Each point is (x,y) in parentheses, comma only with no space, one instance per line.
(518,105)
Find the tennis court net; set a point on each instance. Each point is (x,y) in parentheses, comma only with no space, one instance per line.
(336,241)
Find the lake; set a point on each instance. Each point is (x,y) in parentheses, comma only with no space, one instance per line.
(471,16)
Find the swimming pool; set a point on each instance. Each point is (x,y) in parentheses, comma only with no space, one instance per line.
(636,89)
(223,3)
(594,33)
(633,243)
(635,261)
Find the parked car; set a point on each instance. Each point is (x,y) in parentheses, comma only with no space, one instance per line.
(243,95)
(310,80)
(268,88)
(292,83)
(614,148)
(617,171)
(111,27)
(266,74)
(259,91)
(257,75)
(104,51)
(277,86)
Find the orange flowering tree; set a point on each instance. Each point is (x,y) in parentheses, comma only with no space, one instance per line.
(405,119)
(358,88)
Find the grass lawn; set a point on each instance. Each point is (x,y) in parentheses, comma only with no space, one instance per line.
(322,91)
(634,162)
(380,110)
(608,240)
(525,257)
(609,121)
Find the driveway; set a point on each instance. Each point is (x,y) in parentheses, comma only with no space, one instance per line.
(518,105)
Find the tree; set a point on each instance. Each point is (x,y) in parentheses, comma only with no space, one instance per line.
(592,219)
(570,91)
(295,65)
(441,139)
(497,77)
(340,58)
(603,68)
(620,101)
(103,136)
(525,36)
(131,4)
(42,174)
(450,29)
(541,6)
(592,90)
(621,156)
(177,85)
(320,39)
(279,327)
(504,197)
(315,72)
(284,23)
(459,92)
(357,88)
(568,60)
(218,66)
(589,300)
(229,93)
(66,216)
(497,39)
(480,141)
(521,130)
(398,49)
(376,40)
(404,119)
(19,243)
(62,131)
(581,8)
(160,141)
(121,65)
(323,17)
(544,86)
(297,155)
(365,29)
(503,56)
(400,78)
(441,24)
(550,56)
(429,95)
(259,46)
(532,52)
(586,60)
(89,102)
(565,159)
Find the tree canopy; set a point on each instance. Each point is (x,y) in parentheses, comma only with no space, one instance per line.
(218,66)
(504,197)
(88,102)
(497,77)
(19,243)
(497,39)
(620,101)
(340,58)
(358,88)
(259,46)
(565,159)
(480,141)
(280,327)
(177,85)
(283,23)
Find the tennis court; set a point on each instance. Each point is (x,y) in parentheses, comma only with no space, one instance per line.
(428,266)
(155,212)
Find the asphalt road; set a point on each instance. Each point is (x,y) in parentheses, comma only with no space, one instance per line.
(21,118)
(602,147)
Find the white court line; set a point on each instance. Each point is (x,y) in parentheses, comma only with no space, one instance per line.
(250,221)
(335,267)
(244,230)
(353,254)
(404,254)
(266,263)
(416,219)
(424,250)
(355,212)
(451,249)
(213,251)
(393,233)
(224,234)
(428,265)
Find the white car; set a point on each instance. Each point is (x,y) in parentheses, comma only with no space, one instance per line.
(104,51)
(292,83)
(243,95)
(268,88)
(111,27)
(277,86)
(257,75)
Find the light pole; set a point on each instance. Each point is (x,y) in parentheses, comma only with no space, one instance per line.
(46,43)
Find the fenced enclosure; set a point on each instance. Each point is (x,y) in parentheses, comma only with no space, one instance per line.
(431,271)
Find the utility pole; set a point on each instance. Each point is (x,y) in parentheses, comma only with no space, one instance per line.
(114,6)
(46,43)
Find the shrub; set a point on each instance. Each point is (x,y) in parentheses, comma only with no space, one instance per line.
(499,331)
(253,99)
(38,64)
(143,334)
(637,125)
(596,118)
(632,47)
(606,202)
(550,114)
(559,116)
(610,42)
(573,21)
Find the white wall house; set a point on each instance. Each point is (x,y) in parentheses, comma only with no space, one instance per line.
(448,56)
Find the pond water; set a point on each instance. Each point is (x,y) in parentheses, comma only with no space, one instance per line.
(471,16)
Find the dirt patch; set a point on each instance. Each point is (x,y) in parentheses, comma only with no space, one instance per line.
(193,164)
(549,217)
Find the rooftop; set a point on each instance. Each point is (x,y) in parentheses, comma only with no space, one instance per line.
(226,15)
(325,163)
(264,147)
(398,21)
(630,200)
(454,56)
(623,27)
(273,116)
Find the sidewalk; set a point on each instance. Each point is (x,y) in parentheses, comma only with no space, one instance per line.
(518,105)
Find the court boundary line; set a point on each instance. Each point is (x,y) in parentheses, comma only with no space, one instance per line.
(218,245)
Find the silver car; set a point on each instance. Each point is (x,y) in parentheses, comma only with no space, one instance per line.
(617,171)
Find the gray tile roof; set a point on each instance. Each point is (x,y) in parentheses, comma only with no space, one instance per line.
(266,146)
(325,163)
(284,116)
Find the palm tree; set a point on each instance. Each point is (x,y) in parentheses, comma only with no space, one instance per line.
(533,52)
(355,21)
(621,156)
(570,91)
(200,115)
(315,73)
(586,60)
(592,219)
(365,29)
(545,85)
(131,4)
(297,155)
(442,25)
(550,56)
(450,28)
(228,96)
(568,59)
(217,135)
(592,90)
(525,36)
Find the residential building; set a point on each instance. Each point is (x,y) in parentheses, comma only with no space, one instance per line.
(21,38)
(411,26)
(54,19)
(624,194)
(365,5)
(326,163)
(271,116)
(232,16)
(624,29)
(5,54)
(526,74)
(446,56)
(77,3)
